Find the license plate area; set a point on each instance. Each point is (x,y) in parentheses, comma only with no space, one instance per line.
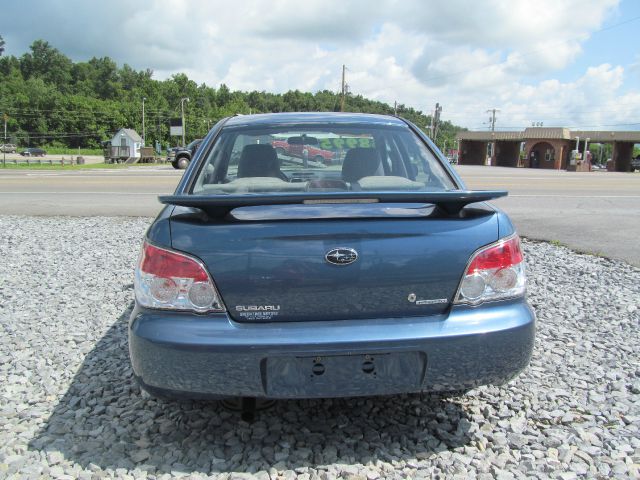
(344,375)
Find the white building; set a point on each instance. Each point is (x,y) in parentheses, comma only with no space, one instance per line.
(127,144)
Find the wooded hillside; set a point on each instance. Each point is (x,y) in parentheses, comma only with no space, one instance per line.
(51,100)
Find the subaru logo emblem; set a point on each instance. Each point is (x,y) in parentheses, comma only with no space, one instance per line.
(341,256)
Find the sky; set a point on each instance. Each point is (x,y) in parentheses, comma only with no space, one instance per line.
(572,63)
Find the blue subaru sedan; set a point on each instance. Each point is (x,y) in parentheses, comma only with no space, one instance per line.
(277,272)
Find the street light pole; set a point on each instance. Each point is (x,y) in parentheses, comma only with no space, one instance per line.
(600,155)
(182,100)
(144,137)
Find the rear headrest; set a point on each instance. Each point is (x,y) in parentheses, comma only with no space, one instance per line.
(258,160)
(360,162)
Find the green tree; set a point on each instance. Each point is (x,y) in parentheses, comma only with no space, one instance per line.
(47,63)
(50,99)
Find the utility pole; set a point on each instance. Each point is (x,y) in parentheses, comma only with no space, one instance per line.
(184,127)
(159,131)
(493,118)
(144,137)
(436,121)
(4,153)
(493,129)
(395,108)
(344,89)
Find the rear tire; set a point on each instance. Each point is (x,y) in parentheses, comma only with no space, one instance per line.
(319,159)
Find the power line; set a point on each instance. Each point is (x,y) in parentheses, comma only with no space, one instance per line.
(542,108)
(520,127)
(55,135)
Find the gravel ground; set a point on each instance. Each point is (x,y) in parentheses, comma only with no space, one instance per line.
(69,407)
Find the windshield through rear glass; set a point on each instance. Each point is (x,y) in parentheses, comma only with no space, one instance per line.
(319,158)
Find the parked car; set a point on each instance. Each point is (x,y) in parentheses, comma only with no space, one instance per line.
(300,147)
(181,156)
(635,163)
(8,148)
(265,279)
(33,152)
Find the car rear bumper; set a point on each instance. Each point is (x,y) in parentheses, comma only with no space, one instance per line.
(207,356)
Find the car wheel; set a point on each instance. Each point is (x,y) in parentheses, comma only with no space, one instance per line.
(182,163)
(319,159)
(280,151)
(174,164)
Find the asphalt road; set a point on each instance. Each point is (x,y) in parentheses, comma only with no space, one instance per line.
(596,212)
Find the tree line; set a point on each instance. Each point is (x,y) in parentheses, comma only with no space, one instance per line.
(50,100)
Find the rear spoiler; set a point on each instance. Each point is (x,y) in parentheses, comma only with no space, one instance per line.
(220,205)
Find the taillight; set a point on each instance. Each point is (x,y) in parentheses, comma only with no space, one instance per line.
(495,272)
(172,280)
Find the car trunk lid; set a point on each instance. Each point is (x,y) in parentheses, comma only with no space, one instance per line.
(273,263)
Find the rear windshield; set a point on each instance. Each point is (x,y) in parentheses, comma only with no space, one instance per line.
(319,158)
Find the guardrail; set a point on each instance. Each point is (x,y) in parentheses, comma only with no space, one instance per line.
(44,161)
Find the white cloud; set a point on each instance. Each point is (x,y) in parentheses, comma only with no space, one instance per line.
(594,100)
(467,55)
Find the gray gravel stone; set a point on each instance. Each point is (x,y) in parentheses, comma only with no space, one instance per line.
(69,407)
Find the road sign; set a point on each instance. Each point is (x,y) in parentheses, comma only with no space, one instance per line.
(175,127)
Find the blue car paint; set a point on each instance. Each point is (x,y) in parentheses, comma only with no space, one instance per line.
(181,354)
(159,232)
(441,348)
(281,263)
